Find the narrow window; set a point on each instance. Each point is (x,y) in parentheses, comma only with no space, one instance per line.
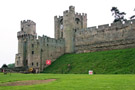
(19,58)
(75,30)
(41,50)
(32,52)
(22,29)
(26,62)
(32,45)
(32,64)
(17,63)
(61,34)
(37,63)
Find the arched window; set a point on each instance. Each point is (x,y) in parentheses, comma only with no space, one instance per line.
(77,20)
(61,27)
(61,24)
(61,21)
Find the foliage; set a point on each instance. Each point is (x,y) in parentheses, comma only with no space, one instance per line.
(104,62)
(4,66)
(119,16)
(11,65)
(133,16)
(71,82)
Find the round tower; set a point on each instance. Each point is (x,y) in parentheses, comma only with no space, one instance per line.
(28,28)
(68,29)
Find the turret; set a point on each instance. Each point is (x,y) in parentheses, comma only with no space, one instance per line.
(29,27)
(58,27)
(80,21)
(68,29)
(66,26)
(28,30)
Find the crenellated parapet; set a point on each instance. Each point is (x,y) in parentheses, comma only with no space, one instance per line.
(28,27)
(112,26)
(71,10)
(47,39)
(58,18)
(29,22)
(23,35)
(80,15)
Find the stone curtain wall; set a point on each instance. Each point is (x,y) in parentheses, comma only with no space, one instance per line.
(42,49)
(49,48)
(105,37)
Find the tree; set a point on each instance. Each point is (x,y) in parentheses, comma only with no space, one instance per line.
(11,65)
(133,16)
(4,66)
(119,16)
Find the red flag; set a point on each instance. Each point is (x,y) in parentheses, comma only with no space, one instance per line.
(48,62)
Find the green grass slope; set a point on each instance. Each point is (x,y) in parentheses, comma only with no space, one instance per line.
(104,62)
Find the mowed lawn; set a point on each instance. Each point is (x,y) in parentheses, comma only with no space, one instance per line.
(71,82)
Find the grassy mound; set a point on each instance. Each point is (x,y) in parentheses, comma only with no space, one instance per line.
(105,62)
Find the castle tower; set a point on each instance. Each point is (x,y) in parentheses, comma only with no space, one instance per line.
(65,27)
(28,28)
(84,20)
(80,21)
(58,27)
(68,29)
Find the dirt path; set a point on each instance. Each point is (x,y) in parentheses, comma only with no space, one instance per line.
(30,82)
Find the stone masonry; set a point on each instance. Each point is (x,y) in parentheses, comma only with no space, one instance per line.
(71,36)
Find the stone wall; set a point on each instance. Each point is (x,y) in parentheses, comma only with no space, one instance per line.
(50,48)
(105,37)
(41,49)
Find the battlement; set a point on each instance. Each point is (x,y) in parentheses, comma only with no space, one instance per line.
(71,8)
(22,34)
(50,40)
(58,17)
(109,27)
(81,14)
(65,12)
(30,22)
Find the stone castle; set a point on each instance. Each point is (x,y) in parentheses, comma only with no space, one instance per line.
(71,36)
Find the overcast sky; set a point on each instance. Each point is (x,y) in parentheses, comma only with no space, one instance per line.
(43,11)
